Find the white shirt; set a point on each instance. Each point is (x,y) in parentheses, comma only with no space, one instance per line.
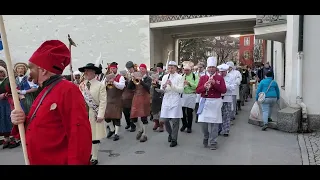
(237,78)
(231,85)
(171,106)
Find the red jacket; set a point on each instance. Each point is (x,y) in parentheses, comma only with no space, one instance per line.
(60,134)
(216,90)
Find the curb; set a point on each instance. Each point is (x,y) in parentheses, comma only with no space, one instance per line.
(303,150)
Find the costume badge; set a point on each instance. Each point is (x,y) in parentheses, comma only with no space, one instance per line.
(53,106)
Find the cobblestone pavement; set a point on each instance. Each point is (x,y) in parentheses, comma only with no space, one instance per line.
(312,145)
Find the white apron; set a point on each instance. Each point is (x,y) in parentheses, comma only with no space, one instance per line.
(189,100)
(171,106)
(237,92)
(211,112)
(198,98)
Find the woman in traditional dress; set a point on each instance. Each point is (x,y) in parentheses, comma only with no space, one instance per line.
(26,88)
(6,105)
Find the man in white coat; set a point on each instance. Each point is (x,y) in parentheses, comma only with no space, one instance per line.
(235,94)
(95,95)
(171,109)
(227,100)
(201,72)
(211,86)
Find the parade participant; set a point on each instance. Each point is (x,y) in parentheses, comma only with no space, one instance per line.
(127,97)
(188,98)
(227,100)
(25,87)
(235,94)
(141,84)
(57,127)
(171,108)
(6,105)
(201,72)
(157,99)
(94,93)
(211,86)
(115,84)
(76,77)
(100,76)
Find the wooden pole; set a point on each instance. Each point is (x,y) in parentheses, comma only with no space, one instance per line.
(13,87)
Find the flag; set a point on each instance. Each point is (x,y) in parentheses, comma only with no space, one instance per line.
(1,46)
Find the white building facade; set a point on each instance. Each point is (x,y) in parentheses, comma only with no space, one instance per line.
(296,73)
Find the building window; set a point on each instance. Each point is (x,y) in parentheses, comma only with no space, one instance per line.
(284,65)
(246,41)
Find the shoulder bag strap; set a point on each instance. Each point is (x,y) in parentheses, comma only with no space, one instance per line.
(269,86)
(42,98)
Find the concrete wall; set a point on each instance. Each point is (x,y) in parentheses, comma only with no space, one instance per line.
(311,64)
(119,38)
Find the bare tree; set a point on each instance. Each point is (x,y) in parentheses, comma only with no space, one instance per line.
(194,50)
(224,47)
(199,49)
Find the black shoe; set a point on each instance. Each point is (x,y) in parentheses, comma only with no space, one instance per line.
(226,135)
(94,162)
(264,127)
(269,120)
(183,128)
(6,144)
(169,138)
(133,129)
(13,144)
(127,126)
(116,137)
(205,143)
(189,130)
(110,133)
(213,147)
(173,143)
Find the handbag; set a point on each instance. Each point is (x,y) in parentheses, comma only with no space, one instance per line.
(262,95)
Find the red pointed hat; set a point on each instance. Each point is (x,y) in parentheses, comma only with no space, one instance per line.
(52,55)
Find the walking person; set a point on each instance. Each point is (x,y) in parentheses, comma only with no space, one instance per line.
(171,108)
(115,84)
(227,100)
(57,129)
(272,94)
(235,94)
(127,97)
(201,72)
(141,84)
(188,97)
(211,86)
(157,99)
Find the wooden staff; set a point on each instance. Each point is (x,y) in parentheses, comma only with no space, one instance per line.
(13,87)
(71,43)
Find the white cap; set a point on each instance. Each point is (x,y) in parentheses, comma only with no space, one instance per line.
(76,73)
(172,63)
(223,67)
(230,64)
(211,61)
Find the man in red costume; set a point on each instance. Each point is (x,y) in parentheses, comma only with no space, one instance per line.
(57,127)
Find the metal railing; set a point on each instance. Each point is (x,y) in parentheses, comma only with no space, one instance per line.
(267,20)
(163,18)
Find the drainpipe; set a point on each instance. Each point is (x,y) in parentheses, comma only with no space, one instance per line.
(299,100)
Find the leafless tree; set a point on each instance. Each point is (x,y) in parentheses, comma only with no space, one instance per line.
(198,49)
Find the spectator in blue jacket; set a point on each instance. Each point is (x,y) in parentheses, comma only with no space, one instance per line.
(272,96)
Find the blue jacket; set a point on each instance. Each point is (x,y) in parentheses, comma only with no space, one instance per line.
(273,91)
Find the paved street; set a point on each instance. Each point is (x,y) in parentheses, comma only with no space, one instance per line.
(246,145)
